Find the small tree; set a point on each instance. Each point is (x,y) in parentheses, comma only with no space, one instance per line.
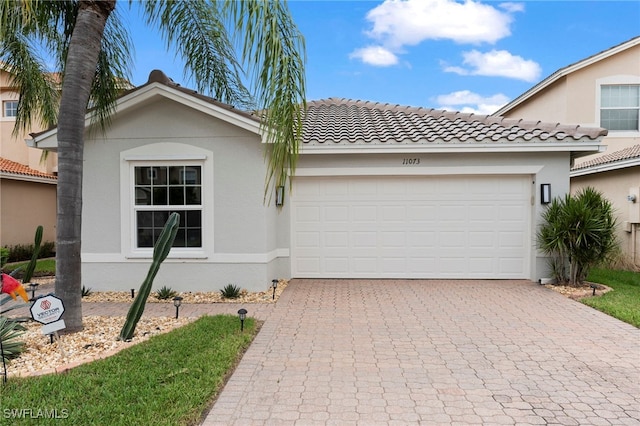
(577,232)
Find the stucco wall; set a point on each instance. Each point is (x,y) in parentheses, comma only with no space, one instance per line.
(241,245)
(615,185)
(24,206)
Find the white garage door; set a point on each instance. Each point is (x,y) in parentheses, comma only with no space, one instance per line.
(411,227)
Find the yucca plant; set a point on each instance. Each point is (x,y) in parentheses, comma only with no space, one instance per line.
(577,233)
(86,291)
(230,291)
(165,293)
(10,332)
(160,253)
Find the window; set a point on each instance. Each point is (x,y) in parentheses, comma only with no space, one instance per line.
(10,108)
(620,107)
(161,190)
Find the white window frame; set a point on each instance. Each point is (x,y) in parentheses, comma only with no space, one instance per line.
(617,80)
(165,154)
(5,108)
(147,207)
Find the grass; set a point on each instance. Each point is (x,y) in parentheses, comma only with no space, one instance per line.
(624,301)
(43,267)
(171,379)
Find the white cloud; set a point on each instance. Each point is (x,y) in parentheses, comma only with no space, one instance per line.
(497,63)
(470,102)
(397,23)
(512,7)
(375,55)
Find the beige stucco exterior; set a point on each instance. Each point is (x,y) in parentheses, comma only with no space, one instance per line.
(572,96)
(24,206)
(25,201)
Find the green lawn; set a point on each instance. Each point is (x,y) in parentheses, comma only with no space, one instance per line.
(43,267)
(171,379)
(624,301)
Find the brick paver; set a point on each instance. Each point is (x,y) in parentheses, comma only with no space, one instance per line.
(433,352)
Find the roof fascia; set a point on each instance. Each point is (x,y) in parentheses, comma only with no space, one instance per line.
(562,72)
(584,148)
(617,165)
(26,178)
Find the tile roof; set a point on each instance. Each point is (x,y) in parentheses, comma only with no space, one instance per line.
(349,122)
(624,154)
(13,168)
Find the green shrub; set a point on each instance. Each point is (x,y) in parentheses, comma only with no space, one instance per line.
(10,331)
(166,293)
(4,256)
(86,291)
(577,232)
(22,252)
(230,291)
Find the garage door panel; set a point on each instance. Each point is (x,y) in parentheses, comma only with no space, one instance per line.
(411,227)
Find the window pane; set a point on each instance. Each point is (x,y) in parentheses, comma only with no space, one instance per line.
(145,237)
(619,119)
(143,175)
(10,108)
(193,195)
(160,218)
(175,174)
(194,238)
(176,196)
(160,196)
(180,240)
(620,96)
(145,219)
(159,176)
(194,218)
(143,196)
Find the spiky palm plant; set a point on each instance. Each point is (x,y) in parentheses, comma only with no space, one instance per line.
(577,233)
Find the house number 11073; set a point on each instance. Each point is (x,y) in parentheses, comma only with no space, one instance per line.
(410,161)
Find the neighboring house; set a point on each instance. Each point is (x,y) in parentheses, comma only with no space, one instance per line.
(601,90)
(27,184)
(380,191)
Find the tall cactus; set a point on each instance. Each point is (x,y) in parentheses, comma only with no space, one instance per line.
(160,252)
(31,267)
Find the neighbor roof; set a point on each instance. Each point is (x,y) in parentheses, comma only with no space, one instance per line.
(616,160)
(567,70)
(337,121)
(11,169)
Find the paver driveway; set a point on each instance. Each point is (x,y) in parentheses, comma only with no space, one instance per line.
(434,352)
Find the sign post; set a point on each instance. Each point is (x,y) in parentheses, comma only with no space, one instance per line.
(47,310)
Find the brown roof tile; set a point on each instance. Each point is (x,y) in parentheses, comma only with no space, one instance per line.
(11,167)
(623,154)
(349,122)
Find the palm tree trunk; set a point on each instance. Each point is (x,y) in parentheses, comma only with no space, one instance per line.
(82,59)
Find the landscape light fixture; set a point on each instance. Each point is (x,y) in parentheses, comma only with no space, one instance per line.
(177,301)
(32,288)
(133,293)
(545,193)
(594,287)
(274,284)
(242,313)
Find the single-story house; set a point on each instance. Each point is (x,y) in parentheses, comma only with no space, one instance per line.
(380,191)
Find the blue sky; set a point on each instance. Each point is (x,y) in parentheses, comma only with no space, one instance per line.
(471,56)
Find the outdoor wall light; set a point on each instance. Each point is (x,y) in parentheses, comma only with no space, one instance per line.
(545,193)
(279,196)
(631,198)
(274,284)
(242,313)
(32,288)
(177,301)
